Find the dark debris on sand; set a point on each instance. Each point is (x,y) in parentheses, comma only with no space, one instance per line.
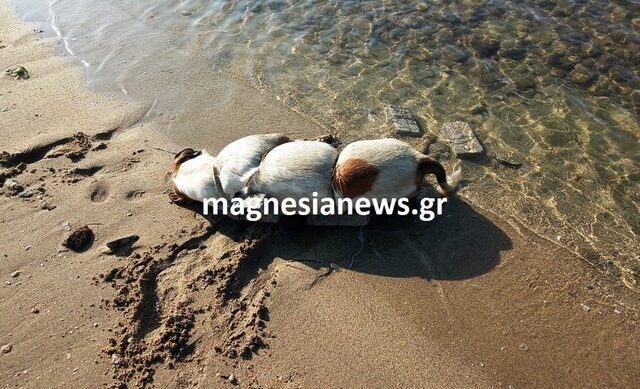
(80,239)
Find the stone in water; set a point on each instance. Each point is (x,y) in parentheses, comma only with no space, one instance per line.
(462,139)
(403,121)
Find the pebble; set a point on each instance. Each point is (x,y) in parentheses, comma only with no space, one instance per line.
(35,310)
(11,184)
(462,139)
(524,347)
(26,193)
(403,121)
(80,239)
(123,242)
(105,250)
(335,266)
(6,348)
(585,308)
(232,379)
(15,274)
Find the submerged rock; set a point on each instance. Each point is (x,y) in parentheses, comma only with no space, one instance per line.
(403,121)
(509,160)
(582,75)
(462,139)
(513,50)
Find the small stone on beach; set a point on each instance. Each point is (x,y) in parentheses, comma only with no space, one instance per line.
(18,73)
(80,239)
(6,348)
(122,243)
(105,250)
(26,194)
(15,274)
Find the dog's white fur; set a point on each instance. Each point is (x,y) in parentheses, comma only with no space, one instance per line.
(295,170)
(398,169)
(395,161)
(239,157)
(195,179)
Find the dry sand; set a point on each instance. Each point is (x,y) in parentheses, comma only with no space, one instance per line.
(466,301)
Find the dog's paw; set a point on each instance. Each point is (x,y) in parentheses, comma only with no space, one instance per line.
(177,197)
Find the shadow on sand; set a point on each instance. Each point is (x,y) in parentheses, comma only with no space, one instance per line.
(457,245)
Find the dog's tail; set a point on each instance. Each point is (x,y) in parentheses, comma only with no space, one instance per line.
(447,185)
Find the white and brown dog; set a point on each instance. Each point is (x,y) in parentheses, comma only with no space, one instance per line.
(271,165)
(197,175)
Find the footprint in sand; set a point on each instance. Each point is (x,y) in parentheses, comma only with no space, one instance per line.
(99,193)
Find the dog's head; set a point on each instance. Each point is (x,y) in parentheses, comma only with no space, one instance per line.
(182,157)
(193,175)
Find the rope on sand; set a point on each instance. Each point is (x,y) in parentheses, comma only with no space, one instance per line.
(361,238)
(146,143)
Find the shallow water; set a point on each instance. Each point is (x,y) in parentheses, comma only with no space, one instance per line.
(551,85)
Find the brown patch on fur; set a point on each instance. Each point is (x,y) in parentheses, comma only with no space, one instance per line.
(428,165)
(355,177)
(182,156)
(178,197)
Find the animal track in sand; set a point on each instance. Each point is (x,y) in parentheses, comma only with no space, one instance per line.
(99,193)
(133,194)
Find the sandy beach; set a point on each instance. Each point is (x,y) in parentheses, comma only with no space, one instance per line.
(467,301)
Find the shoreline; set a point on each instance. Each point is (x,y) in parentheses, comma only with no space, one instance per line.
(468,301)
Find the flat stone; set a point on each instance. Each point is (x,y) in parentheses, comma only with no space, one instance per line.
(462,139)
(26,193)
(403,121)
(338,220)
(509,160)
(6,349)
(15,274)
(120,243)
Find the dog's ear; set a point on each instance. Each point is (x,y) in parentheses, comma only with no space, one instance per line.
(182,156)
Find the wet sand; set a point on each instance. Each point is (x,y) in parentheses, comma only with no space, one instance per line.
(466,301)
